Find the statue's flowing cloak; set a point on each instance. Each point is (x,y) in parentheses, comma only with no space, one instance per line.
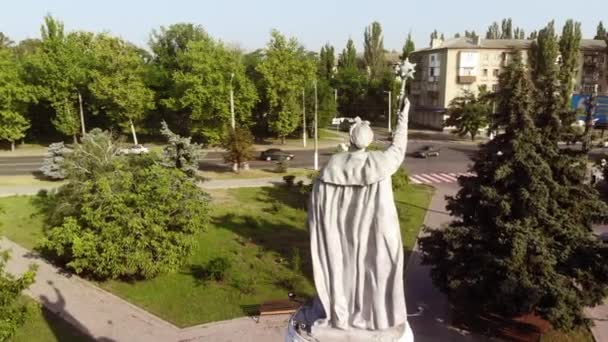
(356,246)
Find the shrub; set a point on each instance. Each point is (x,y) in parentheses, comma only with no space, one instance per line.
(136,220)
(94,155)
(239,146)
(13,313)
(289,180)
(51,166)
(217,268)
(282,166)
(400,179)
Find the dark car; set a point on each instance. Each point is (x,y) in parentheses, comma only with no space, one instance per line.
(427,151)
(276,154)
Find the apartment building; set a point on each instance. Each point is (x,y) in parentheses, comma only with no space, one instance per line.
(446,69)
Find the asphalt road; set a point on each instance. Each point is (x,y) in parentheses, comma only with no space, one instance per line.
(454,157)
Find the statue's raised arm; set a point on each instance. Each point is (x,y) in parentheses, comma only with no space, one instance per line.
(396,151)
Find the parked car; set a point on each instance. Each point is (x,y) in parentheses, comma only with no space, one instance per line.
(135,149)
(427,151)
(276,154)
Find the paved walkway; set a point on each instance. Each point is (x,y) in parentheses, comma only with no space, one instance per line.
(427,306)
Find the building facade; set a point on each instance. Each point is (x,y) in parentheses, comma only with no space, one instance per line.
(446,69)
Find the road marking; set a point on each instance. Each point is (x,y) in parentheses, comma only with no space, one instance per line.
(437,178)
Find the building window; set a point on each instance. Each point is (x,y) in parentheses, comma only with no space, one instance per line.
(485,72)
(495,72)
(432,58)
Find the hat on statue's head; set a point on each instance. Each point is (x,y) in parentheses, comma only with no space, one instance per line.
(361,135)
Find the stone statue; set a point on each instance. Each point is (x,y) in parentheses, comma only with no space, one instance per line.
(356,246)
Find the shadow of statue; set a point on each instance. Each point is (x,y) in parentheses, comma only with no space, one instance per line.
(65,327)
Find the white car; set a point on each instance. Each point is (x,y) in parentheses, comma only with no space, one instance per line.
(135,149)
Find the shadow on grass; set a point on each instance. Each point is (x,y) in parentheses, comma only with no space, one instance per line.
(285,239)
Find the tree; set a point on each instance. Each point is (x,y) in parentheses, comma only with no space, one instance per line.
(600,32)
(569,46)
(52,167)
(238,144)
(13,313)
(434,35)
(373,50)
(471,35)
(493,31)
(206,72)
(544,71)
(285,70)
(327,62)
(348,58)
(5,41)
(136,221)
(469,113)
(514,248)
(117,82)
(180,153)
(167,44)
(60,72)
(408,47)
(14,96)
(507,29)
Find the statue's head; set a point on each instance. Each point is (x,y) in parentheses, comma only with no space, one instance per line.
(361,135)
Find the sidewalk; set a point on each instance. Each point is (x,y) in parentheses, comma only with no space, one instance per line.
(427,307)
(28,190)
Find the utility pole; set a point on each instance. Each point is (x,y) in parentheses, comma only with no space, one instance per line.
(84,131)
(316,166)
(304,118)
(232,120)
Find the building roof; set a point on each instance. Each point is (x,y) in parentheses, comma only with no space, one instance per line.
(515,44)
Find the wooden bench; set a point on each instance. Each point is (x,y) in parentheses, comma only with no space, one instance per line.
(278,307)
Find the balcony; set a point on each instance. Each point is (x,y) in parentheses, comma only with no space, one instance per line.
(466,79)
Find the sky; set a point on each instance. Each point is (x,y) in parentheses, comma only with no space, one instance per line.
(247,23)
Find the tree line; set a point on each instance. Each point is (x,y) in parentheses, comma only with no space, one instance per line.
(62,84)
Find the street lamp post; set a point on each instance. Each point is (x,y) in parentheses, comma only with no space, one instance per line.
(232,120)
(390,108)
(316,156)
(304,118)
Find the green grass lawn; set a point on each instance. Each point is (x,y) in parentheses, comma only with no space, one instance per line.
(260,230)
(44,326)
(579,335)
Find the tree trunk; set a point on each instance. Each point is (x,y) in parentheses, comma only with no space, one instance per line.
(12,146)
(133,132)
(235,167)
(75,139)
(283,140)
(81,114)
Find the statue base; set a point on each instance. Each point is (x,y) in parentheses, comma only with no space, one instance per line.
(302,328)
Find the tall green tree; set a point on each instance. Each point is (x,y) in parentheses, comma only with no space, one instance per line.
(600,31)
(5,41)
(544,71)
(569,48)
(14,96)
(373,50)
(60,69)
(327,62)
(507,29)
(206,71)
(167,44)
(117,82)
(469,113)
(285,70)
(522,240)
(348,57)
(493,31)
(408,47)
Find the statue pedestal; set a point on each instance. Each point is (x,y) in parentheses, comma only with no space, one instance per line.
(301,328)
